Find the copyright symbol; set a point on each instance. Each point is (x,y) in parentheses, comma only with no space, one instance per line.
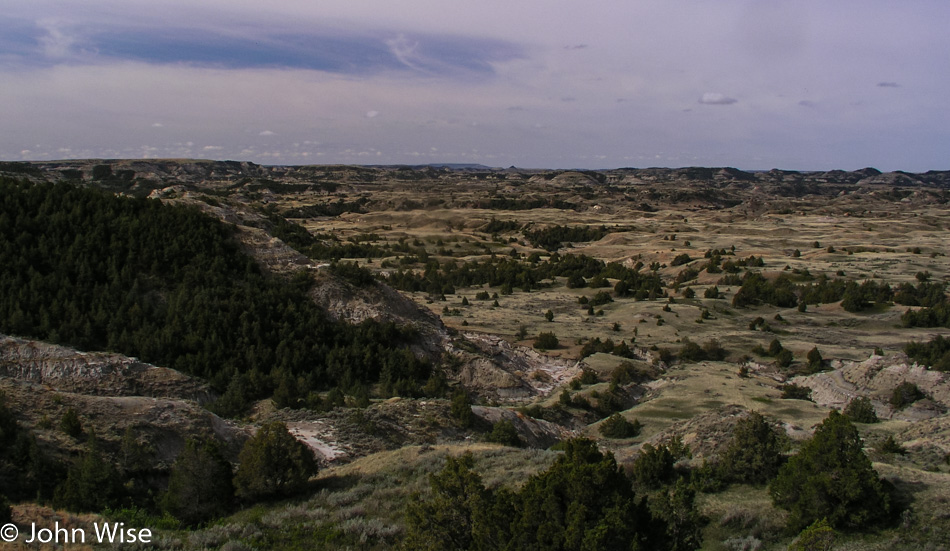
(9,533)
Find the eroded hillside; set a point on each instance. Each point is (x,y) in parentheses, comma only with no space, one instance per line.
(546,305)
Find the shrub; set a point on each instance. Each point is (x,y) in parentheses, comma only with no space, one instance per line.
(905,394)
(860,410)
(617,426)
(792,391)
(784,358)
(627,373)
(503,432)
(653,467)
(546,341)
(820,536)
(681,259)
(935,353)
(714,351)
(273,463)
(461,409)
(691,352)
(814,360)
(755,453)
(549,315)
(889,445)
(70,423)
(831,478)
(588,377)
(600,298)
(775,347)
(711,292)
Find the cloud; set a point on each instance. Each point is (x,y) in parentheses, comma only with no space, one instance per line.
(238,43)
(372,114)
(267,133)
(888,85)
(213,148)
(710,98)
(157,125)
(57,42)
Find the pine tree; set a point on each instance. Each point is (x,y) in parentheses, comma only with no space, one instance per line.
(273,463)
(832,478)
(200,486)
(92,483)
(755,453)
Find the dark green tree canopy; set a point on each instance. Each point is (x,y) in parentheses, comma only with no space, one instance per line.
(832,478)
(755,453)
(169,284)
(861,410)
(582,502)
(273,463)
(92,483)
(200,487)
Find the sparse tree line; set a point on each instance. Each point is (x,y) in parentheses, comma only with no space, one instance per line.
(200,485)
(854,297)
(169,285)
(586,501)
(510,274)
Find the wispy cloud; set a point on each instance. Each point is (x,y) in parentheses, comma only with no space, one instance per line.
(365,51)
(888,85)
(711,98)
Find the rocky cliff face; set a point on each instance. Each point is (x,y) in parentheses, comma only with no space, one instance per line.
(94,373)
(876,378)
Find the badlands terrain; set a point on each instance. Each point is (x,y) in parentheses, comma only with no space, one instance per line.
(548,301)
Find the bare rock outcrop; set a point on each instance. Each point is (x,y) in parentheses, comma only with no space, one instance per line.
(534,433)
(500,370)
(876,378)
(94,373)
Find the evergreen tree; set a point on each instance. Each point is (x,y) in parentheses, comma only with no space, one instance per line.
(814,360)
(273,463)
(583,501)
(504,432)
(684,524)
(755,453)
(461,409)
(861,410)
(653,467)
(450,517)
(200,487)
(6,514)
(831,478)
(92,483)
(70,423)
(8,423)
(617,426)
(820,536)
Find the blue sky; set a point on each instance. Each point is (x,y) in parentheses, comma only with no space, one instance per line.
(805,85)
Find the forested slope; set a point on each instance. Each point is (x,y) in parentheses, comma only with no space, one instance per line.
(169,285)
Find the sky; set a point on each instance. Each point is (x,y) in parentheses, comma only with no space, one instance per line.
(753,84)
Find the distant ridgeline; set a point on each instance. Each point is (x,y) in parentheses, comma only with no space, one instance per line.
(169,285)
